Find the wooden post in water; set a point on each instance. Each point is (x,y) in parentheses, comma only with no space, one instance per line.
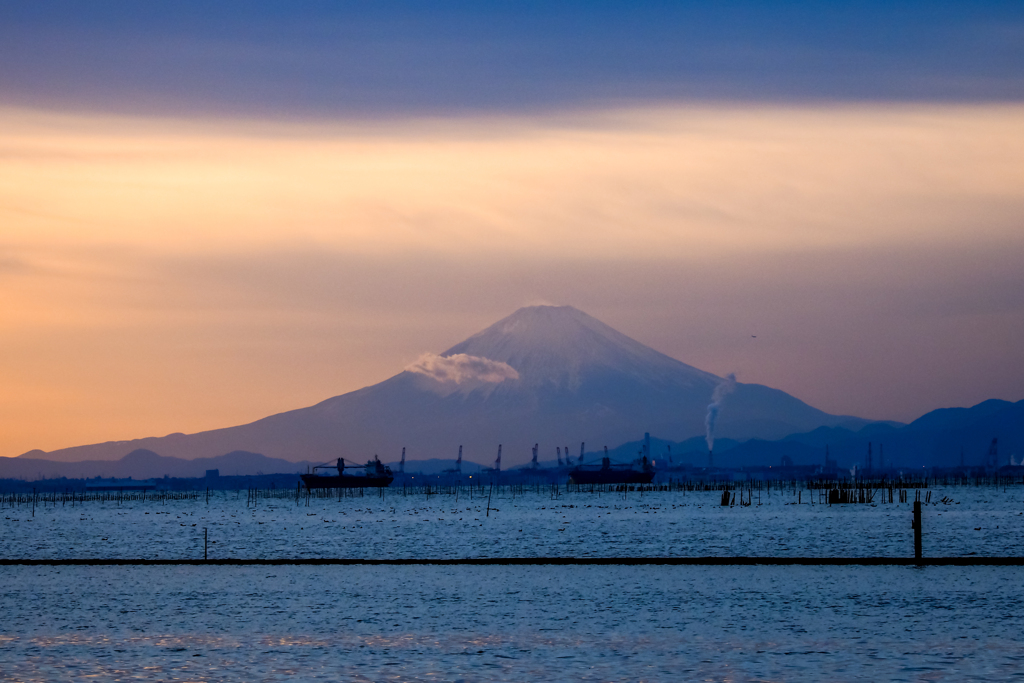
(917,529)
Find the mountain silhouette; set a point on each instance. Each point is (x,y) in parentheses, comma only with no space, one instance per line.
(145,464)
(551,375)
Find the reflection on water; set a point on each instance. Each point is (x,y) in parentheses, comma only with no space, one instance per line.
(511,623)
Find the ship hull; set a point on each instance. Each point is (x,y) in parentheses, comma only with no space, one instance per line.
(319,481)
(610,477)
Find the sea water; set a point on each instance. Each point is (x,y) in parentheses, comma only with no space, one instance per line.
(959,521)
(516,623)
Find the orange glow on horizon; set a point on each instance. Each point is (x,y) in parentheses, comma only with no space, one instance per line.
(114,232)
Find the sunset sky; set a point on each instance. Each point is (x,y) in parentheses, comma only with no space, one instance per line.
(209,214)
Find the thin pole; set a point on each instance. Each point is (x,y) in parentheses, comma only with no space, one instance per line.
(917,529)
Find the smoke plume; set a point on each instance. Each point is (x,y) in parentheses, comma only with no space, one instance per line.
(724,388)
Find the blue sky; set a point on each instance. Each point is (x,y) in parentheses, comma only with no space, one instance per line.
(399,58)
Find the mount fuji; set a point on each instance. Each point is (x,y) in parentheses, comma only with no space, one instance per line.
(551,375)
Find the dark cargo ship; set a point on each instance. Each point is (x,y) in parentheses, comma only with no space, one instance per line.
(376,475)
(609,474)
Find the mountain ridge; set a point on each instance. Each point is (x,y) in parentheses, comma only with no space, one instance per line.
(542,374)
(900,445)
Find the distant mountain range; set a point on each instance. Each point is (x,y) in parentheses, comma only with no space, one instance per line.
(145,464)
(545,374)
(936,439)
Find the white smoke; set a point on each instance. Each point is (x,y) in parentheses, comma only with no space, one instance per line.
(461,369)
(724,388)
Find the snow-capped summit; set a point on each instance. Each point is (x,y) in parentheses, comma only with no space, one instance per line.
(550,375)
(561,345)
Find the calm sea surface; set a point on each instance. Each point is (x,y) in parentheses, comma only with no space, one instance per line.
(513,623)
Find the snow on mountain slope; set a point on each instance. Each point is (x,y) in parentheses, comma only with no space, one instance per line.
(556,346)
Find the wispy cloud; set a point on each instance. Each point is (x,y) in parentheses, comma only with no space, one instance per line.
(461,368)
(683,183)
(13,264)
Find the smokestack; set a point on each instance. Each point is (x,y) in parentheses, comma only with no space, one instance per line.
(581,451)
(558,452)
(711,458)
(533,463)
(669,454)
(401,465)
(458,463)
(497,463)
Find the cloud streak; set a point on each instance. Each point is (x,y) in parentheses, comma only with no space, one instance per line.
(682,183)
(462,369)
